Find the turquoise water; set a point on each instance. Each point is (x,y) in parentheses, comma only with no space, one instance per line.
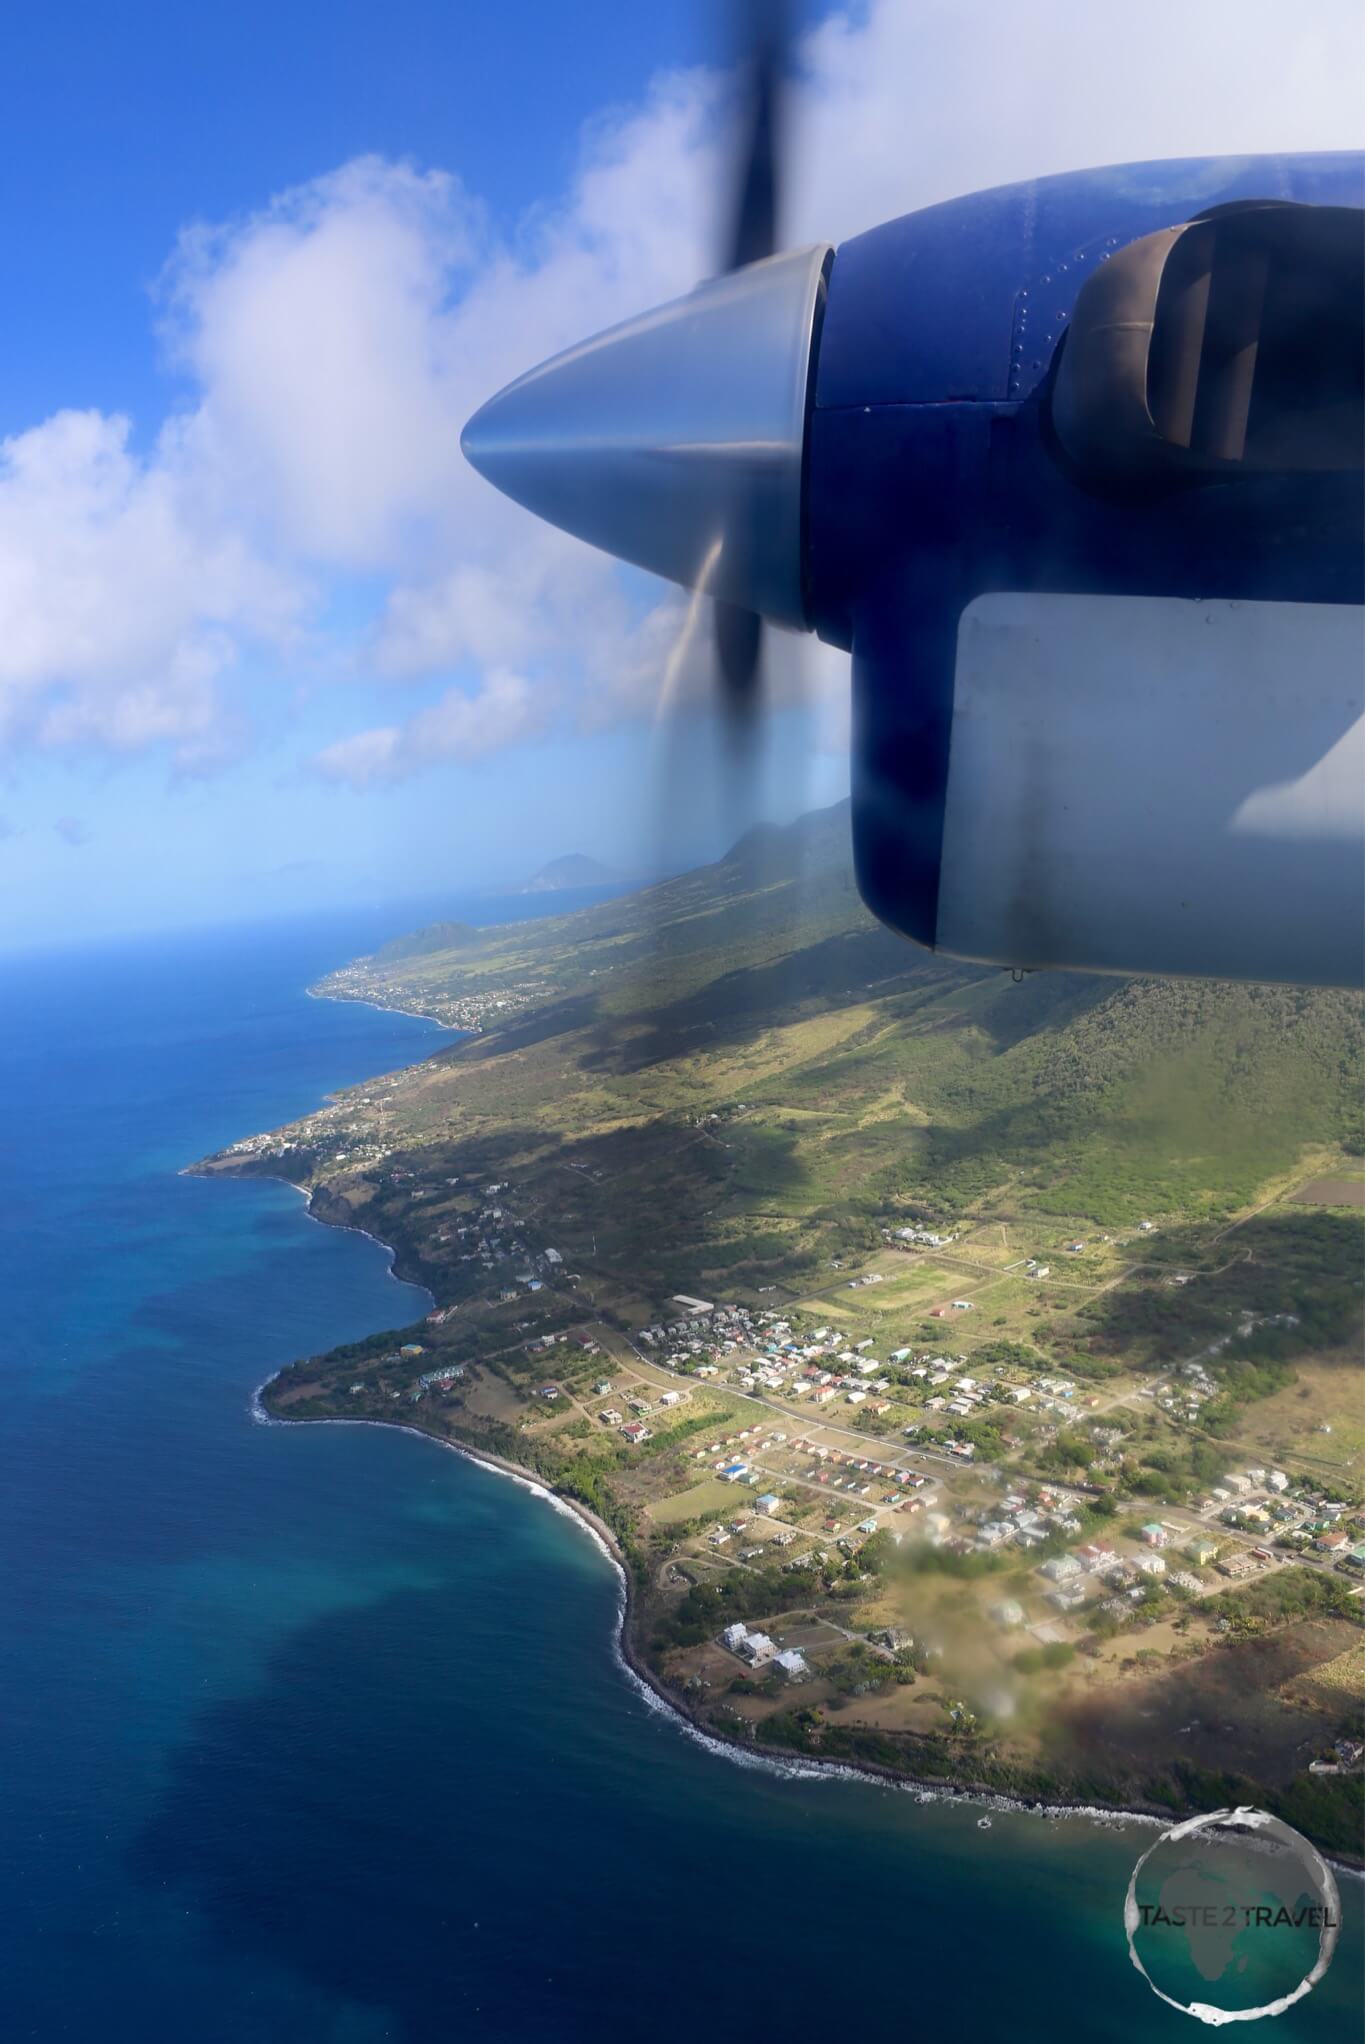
(318,1734)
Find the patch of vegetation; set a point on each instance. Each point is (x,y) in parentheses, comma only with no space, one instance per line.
(1288,1593)
(1056,1654)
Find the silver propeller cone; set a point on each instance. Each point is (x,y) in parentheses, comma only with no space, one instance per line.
(675,440)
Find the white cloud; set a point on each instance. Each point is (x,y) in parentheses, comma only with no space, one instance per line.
(338,338)
(116,598)
(906,106)
(461,727)
(317,332)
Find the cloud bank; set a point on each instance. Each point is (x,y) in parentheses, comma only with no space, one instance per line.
(336,340)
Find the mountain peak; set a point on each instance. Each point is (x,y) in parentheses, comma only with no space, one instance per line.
(575,869)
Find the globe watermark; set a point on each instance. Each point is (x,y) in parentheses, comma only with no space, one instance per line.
(1232,1916)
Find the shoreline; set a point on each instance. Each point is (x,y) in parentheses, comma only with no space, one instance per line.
(642,1678)
(793,1767)
(354,1228)
(385,1008)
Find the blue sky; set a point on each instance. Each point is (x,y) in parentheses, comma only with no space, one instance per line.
(265,642)
(120,124)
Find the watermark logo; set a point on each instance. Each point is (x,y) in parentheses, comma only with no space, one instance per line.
(1232,1916)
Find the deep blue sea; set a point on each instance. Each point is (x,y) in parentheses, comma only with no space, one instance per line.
(318,1735)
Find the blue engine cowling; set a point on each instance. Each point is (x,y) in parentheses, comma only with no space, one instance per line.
(1077,692)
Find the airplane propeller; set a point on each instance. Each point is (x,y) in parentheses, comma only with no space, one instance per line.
(752,235)
(675,441)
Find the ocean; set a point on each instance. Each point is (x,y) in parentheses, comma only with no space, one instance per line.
(319,1734)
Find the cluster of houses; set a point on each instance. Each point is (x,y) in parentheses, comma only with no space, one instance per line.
(756,1650)
(1169,1552)
(948,1390)
(1096,1571)
(470,1011)
(635,1432)
(1197,1385)
(1183,1400)
(438,1380)
(952,1390)
(1016,1522)
(780,1537)
(860,1475)
(1288,1511)
(339,1132)
(705,1335)
(760,1352)
(491,1237)
(728,1460)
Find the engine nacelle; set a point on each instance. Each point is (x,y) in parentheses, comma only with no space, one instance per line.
(1073,470)
(1085,505)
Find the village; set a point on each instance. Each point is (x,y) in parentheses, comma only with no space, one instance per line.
(899,1499)
(471,1010)
(935,1565)
(917,1407)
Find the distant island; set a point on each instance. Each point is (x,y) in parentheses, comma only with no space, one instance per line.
(575,869)
(966,1374)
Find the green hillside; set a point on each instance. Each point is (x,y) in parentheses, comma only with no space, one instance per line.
(737,1072)
(435,939)
(869,1066)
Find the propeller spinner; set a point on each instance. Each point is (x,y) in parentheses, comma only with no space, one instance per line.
(676,440)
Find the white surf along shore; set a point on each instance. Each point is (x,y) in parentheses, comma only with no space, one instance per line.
(658,1701)
(387,1008)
